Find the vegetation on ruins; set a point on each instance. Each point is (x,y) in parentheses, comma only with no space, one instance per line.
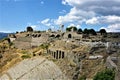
(102,31)
(24,52)
(29,29)
(89,31)
(25,56)
(44,46)
(79,31)
(106,74)
(70,28)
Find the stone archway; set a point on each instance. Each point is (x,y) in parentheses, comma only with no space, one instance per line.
(69,36)
(57,36)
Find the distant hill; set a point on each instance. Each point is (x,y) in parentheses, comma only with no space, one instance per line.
(3,35)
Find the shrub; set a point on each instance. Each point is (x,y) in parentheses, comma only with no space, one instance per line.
(24,52)
(107,74)
(83,77)
(11,43)
(25,56)
(44,46)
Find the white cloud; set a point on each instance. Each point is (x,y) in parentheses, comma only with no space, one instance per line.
(78,26)
(75,15)
(103,7)
(90,12)
(94,20)
(112,19)
(34,26)
(112,28)
(72,2)
(46,22)
(62,12)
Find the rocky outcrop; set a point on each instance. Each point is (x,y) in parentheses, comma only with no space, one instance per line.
(34,69)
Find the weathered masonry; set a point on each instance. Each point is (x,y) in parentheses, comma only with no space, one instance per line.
(57,54)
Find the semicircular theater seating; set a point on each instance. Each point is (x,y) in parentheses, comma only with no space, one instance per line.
(34,69)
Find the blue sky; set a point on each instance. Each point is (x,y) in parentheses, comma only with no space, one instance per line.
(16,15)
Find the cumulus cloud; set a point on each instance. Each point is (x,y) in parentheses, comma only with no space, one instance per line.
(87,11)
(94,20)
(112,28)
(90,12)
(75,15)
(78,26)
(104,19)
(112,21)
(103,7)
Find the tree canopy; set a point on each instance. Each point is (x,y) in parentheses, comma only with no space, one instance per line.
(79,31)
(29,29)
(70,28)
(89,31)
(102,31)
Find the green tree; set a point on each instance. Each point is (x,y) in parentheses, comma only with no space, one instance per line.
(92,31)
(89,31)
(29,29)
(106,74)
(74,28)
(70,28)
(79,31)
(102,31)
(86,31)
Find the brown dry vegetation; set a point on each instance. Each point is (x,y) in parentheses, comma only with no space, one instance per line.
(9,56)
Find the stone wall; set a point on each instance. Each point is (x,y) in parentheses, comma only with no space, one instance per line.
(28,42)
(22,45)
(57,53)
(38,41)
(24,39)
(23,42)
(73,35)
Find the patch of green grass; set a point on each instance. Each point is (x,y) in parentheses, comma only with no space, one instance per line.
(24,52)
(107,74)
(25,56)
(44,46)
